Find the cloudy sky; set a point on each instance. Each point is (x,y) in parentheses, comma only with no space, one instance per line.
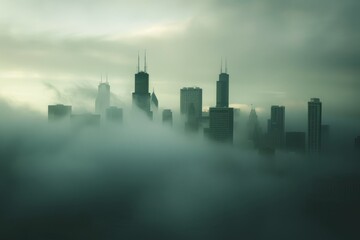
(279,52)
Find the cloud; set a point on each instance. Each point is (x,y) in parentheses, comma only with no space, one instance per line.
(141,181)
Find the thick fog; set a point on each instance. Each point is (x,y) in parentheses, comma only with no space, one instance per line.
(141,180)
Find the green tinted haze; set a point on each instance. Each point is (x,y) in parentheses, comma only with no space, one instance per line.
(279,52)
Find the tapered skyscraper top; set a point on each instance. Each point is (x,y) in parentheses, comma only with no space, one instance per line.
(222,87)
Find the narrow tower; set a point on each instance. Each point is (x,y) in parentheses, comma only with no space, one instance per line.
(314,125)
(222,88)
(102,101)
(141,95)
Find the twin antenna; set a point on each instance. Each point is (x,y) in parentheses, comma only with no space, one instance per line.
(221,66)
(101,78)
(145,66)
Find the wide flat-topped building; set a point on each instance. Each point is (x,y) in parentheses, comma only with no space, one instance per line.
(59,112)
(221,125)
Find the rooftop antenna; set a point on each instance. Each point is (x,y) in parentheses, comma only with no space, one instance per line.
(138,68)
(145,61)
(226,70)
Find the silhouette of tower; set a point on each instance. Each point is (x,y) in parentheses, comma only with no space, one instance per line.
(188,97)
(58,112)
(314,125)
(221,126)
(222,88)
(276,126)
(167,117)
(253,128)
(141,95)
(102,101)
(154,101)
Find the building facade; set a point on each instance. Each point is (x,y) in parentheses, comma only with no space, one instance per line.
(59,112)
(191,99)
(102,101)
(221,124)
(141,95)
(314,125)
(222,90)
(167,117)
(276,126)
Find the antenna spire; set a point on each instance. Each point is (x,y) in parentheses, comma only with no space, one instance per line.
(138,67)
(145,62)
(226,69)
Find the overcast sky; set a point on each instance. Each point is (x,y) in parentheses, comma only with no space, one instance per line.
(279,52)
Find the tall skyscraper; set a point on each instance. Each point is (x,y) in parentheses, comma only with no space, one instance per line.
(154,101)
(141,95)
(276,126)
(221,126)
(58,112)
(222,88)
(102,101)
(253,128)
(191,98)
(314,125)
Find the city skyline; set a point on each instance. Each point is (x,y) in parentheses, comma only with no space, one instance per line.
(273,64)
(179,119)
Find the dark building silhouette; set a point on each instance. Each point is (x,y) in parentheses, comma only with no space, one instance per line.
(191,107)
(141,95)
(314,125)
(191,97)
(221,125)
(85,120)
(58,112)
(276,126)
(114,114)
(253,128)
(222,88)
(154,102)
(102,101)
(167,117)
(192,119)
(295,142)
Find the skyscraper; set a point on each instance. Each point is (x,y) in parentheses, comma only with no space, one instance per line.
(191,98)
(141,95)
(167,117)
(58,112)
(253,128)
(154,101)
(221,126)
(314,125)
(276,126)
(102,101)
(222,88)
